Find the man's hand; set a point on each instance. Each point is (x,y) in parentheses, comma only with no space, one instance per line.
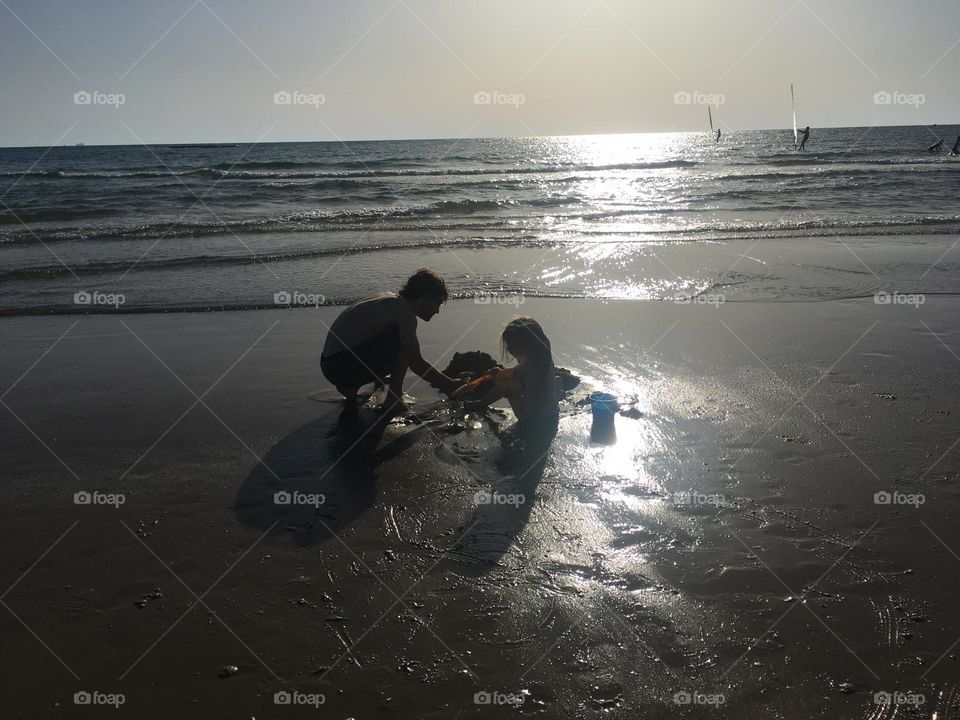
(446,384)
(437,379)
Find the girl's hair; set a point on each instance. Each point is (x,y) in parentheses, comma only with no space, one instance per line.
(525,335)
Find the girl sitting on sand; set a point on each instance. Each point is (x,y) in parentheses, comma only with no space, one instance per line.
(532,386)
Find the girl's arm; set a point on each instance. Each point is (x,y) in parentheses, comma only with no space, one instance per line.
(487,400)
(503,386)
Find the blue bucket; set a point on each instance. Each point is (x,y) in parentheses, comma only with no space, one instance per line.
(604,405)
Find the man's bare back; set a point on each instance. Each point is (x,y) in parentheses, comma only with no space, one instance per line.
(375,339)
(368,318)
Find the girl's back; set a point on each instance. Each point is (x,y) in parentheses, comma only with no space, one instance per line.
(534,398)
(532,387)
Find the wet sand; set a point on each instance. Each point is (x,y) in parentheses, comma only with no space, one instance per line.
(725,557)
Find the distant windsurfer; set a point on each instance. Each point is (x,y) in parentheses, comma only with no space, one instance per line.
(718,134)
(805,137)
(936,147)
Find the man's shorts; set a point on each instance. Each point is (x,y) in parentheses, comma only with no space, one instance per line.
(366,363)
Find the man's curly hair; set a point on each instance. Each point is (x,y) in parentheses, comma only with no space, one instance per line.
(424,283)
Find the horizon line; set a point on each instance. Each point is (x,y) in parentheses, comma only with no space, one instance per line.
(430,139)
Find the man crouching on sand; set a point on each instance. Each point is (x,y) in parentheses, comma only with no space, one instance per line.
(375,340)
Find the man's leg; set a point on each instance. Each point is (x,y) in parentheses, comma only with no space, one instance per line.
(349,394)
(395,390)
(370,362)
(336,370)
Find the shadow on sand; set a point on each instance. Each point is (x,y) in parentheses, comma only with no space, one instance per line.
(502,512)
(321,477)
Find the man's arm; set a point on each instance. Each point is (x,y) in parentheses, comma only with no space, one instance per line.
(410,348)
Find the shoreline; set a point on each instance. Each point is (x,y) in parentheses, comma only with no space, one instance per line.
(809,270)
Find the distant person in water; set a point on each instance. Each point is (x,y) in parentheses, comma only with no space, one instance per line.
(806,136)
(936,147)
(956,147)
(532,386)
(718,134)
(375,340)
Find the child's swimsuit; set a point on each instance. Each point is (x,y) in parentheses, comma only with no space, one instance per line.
(523,406)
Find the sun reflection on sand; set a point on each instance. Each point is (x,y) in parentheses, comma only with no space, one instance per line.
(635,438)
(623,458)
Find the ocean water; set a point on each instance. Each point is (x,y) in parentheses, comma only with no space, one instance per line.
(662,216)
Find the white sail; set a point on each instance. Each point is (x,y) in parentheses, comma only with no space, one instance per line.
(794,103)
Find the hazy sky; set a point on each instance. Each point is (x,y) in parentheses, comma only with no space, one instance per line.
(208,71)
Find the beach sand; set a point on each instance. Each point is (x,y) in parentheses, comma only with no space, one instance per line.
(726,557)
